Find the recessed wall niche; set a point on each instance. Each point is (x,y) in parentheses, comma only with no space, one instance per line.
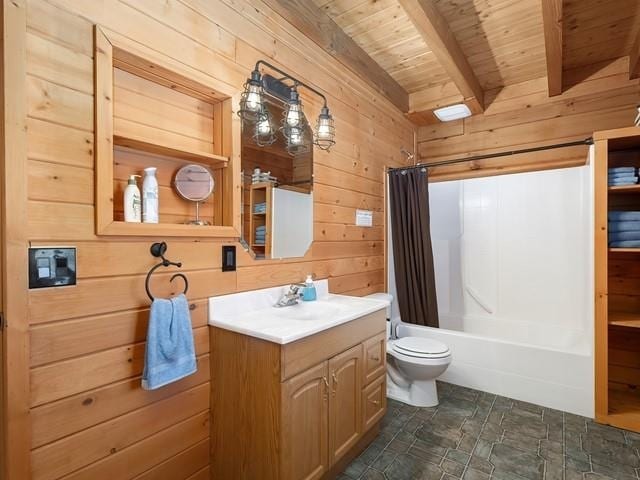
(153,115)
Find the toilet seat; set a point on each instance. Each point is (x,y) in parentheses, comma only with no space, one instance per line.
(420,347)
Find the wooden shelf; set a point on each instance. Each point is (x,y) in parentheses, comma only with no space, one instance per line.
(624,250)
(210,159)
(169,230)
(624,409)
(635,188)
(624,319)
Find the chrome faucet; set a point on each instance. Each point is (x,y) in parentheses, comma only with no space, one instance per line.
(291,297)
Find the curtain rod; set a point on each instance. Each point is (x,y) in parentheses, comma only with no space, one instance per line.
(586,141)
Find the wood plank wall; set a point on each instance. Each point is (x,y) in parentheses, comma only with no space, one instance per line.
(598,97)
(89,417)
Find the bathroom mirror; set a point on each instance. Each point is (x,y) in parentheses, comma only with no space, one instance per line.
(195,183)
(277,188)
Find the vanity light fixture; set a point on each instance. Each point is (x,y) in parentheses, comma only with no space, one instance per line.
(252,99)
(293,115)
(253,110)
(265,133)
(325,130)
(297,141)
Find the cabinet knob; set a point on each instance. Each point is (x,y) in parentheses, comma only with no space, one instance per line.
(375,402)
(375,358)
(335,382)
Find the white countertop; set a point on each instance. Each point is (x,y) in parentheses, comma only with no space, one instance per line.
(252,313)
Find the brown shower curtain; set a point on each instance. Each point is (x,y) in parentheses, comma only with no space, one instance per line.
(412,253)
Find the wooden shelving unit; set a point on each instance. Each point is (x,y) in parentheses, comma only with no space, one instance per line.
(259,193)
(127,140)
(617,285)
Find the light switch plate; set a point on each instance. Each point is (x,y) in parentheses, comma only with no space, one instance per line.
(52,266)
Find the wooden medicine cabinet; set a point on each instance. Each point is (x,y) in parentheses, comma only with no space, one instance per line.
(151,115)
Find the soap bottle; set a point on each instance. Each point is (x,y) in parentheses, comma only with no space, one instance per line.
(132,203)
(150,196)
(309,293)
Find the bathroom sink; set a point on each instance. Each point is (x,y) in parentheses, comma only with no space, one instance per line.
(253,313)
(308,311)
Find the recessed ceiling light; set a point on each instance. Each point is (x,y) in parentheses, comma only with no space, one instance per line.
(452,112)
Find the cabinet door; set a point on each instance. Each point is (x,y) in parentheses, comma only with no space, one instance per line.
(374,402)
(345,419)
(375,353)
(305,418)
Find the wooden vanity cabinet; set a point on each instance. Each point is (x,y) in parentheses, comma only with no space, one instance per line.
(300,411)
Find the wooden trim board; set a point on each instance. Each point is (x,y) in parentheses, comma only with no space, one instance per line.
(15,363)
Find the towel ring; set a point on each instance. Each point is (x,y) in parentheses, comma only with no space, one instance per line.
(158,250)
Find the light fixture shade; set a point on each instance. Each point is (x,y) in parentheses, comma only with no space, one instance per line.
(298,142)
(325,132)
(252,99)
(264,130)
(293,114)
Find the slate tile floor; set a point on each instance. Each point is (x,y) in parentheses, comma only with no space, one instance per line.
(474,435)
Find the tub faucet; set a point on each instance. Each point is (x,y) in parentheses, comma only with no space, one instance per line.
(291,297)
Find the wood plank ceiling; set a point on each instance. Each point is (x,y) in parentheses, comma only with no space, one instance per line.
(503,41)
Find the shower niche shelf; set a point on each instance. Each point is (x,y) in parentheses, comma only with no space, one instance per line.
(617,288)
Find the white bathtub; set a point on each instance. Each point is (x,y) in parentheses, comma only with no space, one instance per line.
(547,366)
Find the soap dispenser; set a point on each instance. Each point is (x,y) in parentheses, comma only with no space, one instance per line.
(132,202)
(309,293)
(150,196)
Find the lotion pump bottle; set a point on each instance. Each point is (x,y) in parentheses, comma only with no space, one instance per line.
(150,196)
(132,202)
(309,293)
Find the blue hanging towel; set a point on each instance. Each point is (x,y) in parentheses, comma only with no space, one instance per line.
(170,354)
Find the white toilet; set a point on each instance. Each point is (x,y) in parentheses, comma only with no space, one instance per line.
(413,364)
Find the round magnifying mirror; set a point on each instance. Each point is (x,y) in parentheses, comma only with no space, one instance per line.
(194,183)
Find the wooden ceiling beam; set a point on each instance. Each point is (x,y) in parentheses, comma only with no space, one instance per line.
(319,27)
(634,58)
(435,30)
(552,22)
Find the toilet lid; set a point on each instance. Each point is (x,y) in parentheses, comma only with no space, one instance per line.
(418,346)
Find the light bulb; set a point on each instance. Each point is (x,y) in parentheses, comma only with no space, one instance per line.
(293,115)
(295,137)
(324,129)
(264,126)
(254,101)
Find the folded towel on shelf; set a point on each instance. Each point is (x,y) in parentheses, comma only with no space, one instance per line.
(170,354)
(261,229)
(617,216)
(624,226)
(622,170)
(260,208)
(621,236)
(626,244)
(613,176)
(623,181)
